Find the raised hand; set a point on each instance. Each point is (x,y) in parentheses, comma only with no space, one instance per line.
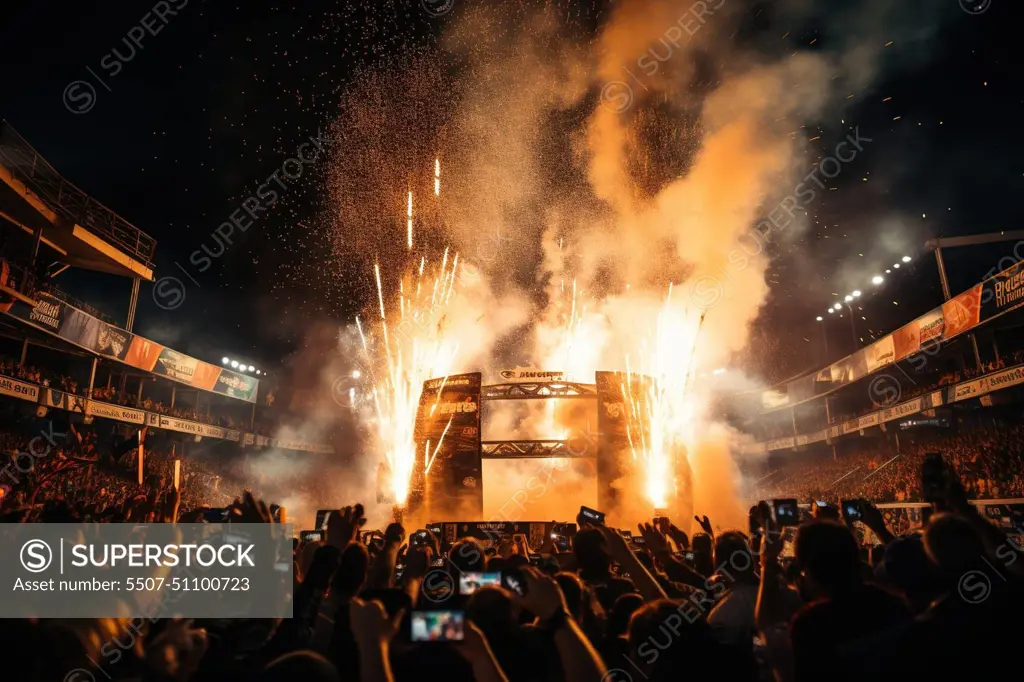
(394,534)
(250,510)
(370,623)
(543,596)
(176,652)
(705,524)
(653,538)
(343,526)
(678,536)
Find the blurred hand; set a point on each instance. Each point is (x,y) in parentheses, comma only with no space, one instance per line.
(370,623)
(474,647)
(394,534)
(653,538)
(543,596)
(176,652)
(771,542)
(343,526)
(417,562)
(705,524)
(678,536)
(617,545)
(826,513)
(250,510)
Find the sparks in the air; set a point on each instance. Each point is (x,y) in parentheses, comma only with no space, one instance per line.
(437,177)
(414,346)
(409,223)
(661,408)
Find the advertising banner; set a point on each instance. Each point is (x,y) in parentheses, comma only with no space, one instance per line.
(47,314)
(801,389)
(116,412)
(530,375)
(970,389)
(1003,292)
(901,410)
(1006,378)
(143,353)
(906,340)
(867,420)
(850,368)
(880,353)
(931,326)
(235,385)
(962,312)
(197,428)
(18,389)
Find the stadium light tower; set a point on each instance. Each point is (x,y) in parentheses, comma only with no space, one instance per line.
(877,279)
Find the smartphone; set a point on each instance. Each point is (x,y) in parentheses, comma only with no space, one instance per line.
(437,626)
(275,513)
(435,528)
(472,581)
(688,557)
(437,563)
(852,510)
(592,516)
(420,538)
(787,512)
(821,504)
(512,580)
(661,523)
(638,541)
(561,542)
(933,477)
(321,519)
(312,536)
(218,515)
(626,533)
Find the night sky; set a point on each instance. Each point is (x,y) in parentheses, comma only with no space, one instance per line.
(199,117)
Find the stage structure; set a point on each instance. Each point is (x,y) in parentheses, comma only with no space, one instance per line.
(450,415)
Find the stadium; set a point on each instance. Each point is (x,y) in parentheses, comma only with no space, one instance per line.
(579,341)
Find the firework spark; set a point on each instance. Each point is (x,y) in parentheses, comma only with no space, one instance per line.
(661,407)
(412,348)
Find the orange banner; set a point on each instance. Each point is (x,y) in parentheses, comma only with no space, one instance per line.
(143,353)
(962,312)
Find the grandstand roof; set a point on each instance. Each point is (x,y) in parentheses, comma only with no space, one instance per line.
(87,234)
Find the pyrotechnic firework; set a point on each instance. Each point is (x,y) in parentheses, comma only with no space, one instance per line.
(412,346)
(662,409)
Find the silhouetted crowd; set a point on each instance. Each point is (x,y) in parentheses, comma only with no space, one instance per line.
(989,459)
(803,601)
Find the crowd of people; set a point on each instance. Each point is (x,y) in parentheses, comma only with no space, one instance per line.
(987,458)
(804,603)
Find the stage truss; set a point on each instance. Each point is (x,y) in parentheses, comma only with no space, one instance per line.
(541,448)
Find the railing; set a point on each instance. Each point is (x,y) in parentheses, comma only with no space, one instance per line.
(20,279)
(71,203)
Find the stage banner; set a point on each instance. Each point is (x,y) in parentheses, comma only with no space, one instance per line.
(530,375)
(448,431)
(55,399)
(931,326)
(880,353)
(970,389)
(962,312)
(18,389)
(613,450)
(867,421)
(116,412)
(1003,292)
(906,341)
(933,399)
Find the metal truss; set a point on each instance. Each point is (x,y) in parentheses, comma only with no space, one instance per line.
(538,391)
(536,449)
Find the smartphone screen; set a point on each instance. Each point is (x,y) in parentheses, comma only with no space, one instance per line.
(472,581)
(420,538)
(592,515)
(321,518)
(852,510)
(787,513)
(821,504)
(312,535)
(513,580)
(437,626)
(218,515)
